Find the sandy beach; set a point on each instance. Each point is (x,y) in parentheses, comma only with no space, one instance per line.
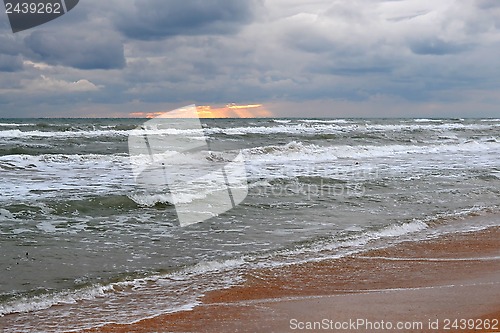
(446,284)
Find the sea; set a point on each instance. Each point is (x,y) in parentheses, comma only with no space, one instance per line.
(82,244)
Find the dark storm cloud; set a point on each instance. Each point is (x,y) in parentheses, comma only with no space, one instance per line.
(158,19)
(10,44)
(435,46)
(83,50)
(9,63)
(11,49)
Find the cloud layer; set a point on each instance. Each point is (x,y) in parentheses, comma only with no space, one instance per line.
(159,19)
(359,57)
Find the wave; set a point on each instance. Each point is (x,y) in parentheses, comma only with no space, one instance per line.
(325,121)
(5,215)
(16,133)
(282,121)
(293,129)
(427,127)
(321,127)
(299,149)
(25,150)
(359,241)
(44,301)
(15,124)
(150,200)
(24,161)
(426,120)
(356,163)
(304,127)
(99,205)
(291,147)
(126,286)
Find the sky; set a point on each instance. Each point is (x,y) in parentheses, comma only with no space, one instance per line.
(281,58)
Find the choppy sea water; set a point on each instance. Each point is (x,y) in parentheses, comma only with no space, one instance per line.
(79,242)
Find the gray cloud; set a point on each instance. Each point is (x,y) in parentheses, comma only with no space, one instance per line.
(79,49)
(435,46)
(11,50)
(9,63)
(169,51)
(158,19)
(9,44)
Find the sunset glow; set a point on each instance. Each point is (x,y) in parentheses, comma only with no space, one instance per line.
(231,110)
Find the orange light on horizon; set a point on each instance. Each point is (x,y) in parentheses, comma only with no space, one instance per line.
(206,111)
(250,106)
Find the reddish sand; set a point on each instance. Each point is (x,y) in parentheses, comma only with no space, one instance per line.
(424,285)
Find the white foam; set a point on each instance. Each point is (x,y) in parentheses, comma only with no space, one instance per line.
(19,231)
(213,266)
(360,151)
(299,129)
(339,126)
(39,302)
(291,147)
(47,227)
(334,126)
(33,177)
(399,230)
(391,231)
(24,160)
(426,120)
(325,121)
(365,162)
(427,126)
(15,124)
(5,215)
(16,133)
(45,301)
(149,200)
(305,126)
(66,134)
(352,245)
(154,130)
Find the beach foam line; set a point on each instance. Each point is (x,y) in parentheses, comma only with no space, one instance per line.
(33,303)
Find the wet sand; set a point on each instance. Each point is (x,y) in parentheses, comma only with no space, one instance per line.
(421,285)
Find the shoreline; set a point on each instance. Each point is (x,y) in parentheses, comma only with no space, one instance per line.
(452,277)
